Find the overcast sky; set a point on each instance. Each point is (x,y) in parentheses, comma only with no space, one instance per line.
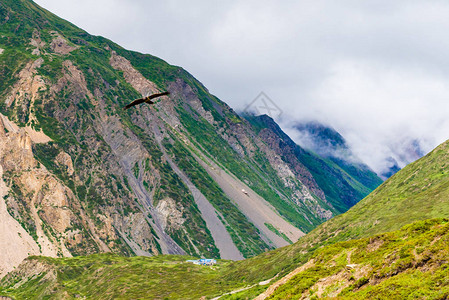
(377,71)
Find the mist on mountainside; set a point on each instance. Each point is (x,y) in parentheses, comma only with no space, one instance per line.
(324,140)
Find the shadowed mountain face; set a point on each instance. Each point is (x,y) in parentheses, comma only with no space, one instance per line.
(328,168)
(410,150)
(393,168)
(321,139)
(328,143)
(80,175)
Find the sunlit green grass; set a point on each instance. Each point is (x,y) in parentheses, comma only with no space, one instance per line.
(407,264)
(109,276)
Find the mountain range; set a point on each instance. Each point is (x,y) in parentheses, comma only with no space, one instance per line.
(188,175)
(101,202)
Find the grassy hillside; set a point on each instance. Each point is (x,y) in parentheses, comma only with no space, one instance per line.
(108,276)
(407,264)
(419,191)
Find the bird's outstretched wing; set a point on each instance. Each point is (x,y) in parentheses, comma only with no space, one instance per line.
(158,95)
(135,102)
(146,99)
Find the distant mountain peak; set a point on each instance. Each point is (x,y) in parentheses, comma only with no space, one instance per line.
(320,138)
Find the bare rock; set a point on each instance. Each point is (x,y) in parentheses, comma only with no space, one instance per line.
(26,90)
(60,45)
(36,41)
(16,243)
(63,159)
(132,76)
(170,213)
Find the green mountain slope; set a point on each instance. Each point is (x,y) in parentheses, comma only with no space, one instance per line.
(419,192)
(131,278)
(108,276)
(407,264)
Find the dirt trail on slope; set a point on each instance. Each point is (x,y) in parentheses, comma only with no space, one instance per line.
(284,280)
(255,208)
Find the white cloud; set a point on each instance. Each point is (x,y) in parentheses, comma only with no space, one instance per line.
(380,109)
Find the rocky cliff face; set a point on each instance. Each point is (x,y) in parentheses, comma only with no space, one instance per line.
(81,175)
(33,202)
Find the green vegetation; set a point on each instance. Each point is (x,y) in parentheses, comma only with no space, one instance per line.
(247,294)
(420,191)
(46,154)
(151,67)
(407,264)
(108,276)
(277,232)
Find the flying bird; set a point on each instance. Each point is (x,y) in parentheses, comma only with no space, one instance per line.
(146,99)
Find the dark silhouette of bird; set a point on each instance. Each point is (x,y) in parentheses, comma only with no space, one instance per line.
(146,99)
